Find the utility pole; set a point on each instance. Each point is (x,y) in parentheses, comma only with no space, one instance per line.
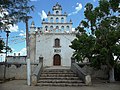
(28,51)
(27,35)
(7,35)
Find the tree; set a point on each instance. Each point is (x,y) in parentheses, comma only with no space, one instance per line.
(12,12)
(103,21)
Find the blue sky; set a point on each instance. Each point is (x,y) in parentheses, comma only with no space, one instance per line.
(74,9)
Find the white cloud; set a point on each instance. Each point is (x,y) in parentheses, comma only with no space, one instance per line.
(22,33)
(43,15)
(94,0)
(77,9)
(22,52)
(13,28)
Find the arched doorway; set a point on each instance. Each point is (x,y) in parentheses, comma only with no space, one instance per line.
(56,60)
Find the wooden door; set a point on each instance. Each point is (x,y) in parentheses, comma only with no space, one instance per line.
(57,60)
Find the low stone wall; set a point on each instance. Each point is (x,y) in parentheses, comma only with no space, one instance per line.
(83,75)
(95,73)
(15,70)
(36,74)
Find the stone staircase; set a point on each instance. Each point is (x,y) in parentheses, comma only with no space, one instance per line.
(59,77)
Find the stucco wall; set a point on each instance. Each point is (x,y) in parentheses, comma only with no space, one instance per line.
(17,71)
(45,48)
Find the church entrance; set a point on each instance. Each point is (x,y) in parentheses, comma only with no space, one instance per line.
(56,60)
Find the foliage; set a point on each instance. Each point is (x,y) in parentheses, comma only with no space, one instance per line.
(12,12)
(102,43)
(82,46)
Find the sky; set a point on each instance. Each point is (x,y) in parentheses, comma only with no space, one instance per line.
(74,9)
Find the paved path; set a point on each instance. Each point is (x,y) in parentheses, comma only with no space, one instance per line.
(21,85)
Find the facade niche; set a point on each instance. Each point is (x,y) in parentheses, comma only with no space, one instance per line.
(57,42)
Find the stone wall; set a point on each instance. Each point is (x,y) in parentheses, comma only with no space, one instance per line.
(17,71)
(95,73)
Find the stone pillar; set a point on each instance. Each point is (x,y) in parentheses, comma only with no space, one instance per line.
(28,72)
(88,80)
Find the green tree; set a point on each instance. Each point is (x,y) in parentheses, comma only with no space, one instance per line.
(12,12)
(103,21)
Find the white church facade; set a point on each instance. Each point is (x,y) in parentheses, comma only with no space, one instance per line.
(52,40)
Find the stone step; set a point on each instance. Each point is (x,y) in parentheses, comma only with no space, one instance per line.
(60,84)
(60,81)
(58,75)
(59,78)
(57,72)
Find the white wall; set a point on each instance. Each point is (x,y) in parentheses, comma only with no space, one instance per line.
(44,48)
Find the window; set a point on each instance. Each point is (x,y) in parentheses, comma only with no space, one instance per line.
(57,42)
(57,28)
(51,19)
(51,28)
(57,20)
(46,28)
(62,20)
(57,12)
(67,28)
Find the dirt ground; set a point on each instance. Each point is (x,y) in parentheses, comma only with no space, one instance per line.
(21,85)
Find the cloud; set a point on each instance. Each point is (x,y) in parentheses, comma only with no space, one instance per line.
(94,0)
(13,28)
(43,15)
(77,9)
(22,33)
(22,52)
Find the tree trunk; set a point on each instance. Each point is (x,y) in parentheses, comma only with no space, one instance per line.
(111,75)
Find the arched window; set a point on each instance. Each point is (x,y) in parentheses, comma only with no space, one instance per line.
(57,20)
(57,28)
(67,28)
(57,12)
(57,42)
(46,28)
(62,20)
(51,28)
(51,19)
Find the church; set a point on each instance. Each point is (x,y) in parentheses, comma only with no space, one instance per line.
(52,40)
